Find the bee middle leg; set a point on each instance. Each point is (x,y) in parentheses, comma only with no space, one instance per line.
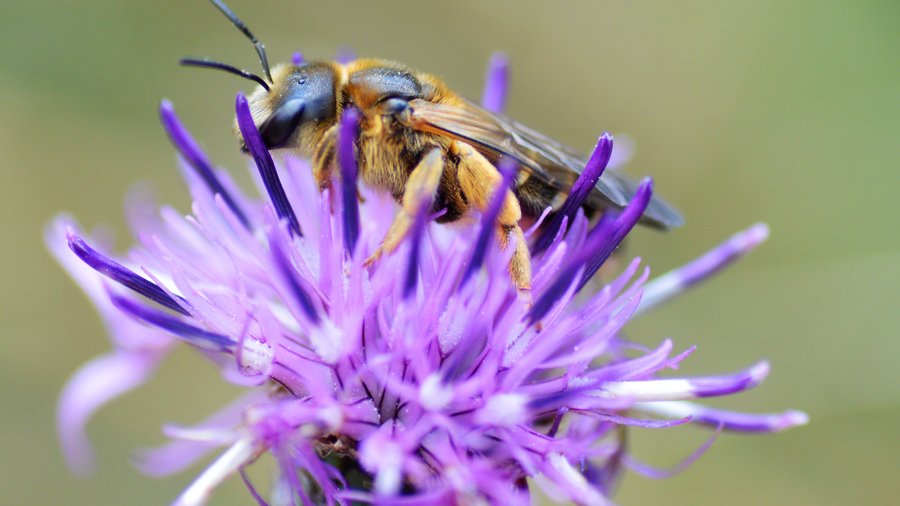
(478,178)
(422,184)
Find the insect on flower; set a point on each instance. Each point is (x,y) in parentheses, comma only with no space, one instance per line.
(422,378)
(410,124)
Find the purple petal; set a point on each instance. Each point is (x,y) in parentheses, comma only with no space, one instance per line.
(636,368)
(727,385)
(307,460)
(580,191)
(125,332)
(121,275)
(348,133)
(625,222)
(179,454)
(600,236)
(562,482)
(554,293)
(345,54)
(438,497)
(496,85)
(196,158)
(90,388)
(489,220)
(729,420)
(289,275)
(444,391)
(738,245)
(683,388)
(607,476)
(383,456)
(677,281)
(297,58)
(249,484)
(538,223)
(415,238)
(658,474)
(194,335)
(288,477)
(264,164)
(644,423)
(231,461)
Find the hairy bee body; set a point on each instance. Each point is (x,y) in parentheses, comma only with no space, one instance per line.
(412,127)
(388,150)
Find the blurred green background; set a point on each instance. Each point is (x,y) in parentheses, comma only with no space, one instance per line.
(783,112)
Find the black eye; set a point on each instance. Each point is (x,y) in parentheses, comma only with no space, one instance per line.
(282,124)
(307,99)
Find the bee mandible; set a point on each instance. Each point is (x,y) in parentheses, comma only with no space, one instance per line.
(409,122)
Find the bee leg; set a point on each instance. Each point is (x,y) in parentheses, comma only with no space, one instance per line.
(323,159)
(422,183)
(477,179)
(520,263)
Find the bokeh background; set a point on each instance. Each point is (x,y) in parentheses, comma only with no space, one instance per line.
(783,112)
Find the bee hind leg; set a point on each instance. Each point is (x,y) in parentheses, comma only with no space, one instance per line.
(478,178)
(419,191)
(520,263)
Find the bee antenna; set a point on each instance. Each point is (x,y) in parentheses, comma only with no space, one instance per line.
(260,47)
(193,62)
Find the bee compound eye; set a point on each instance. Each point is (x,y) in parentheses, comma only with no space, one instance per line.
(278,129)
(396,105)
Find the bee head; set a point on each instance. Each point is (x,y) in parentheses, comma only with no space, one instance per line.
(292,103)
(300,104)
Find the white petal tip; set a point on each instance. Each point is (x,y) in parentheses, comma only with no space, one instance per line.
(794,419)
(755,235)
(759,371)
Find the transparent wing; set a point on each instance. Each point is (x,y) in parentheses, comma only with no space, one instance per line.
(556,164)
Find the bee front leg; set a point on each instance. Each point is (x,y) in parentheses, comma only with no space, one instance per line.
(419,190)
(323,158)
(478,178)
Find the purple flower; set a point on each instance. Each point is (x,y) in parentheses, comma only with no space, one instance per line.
(423,378)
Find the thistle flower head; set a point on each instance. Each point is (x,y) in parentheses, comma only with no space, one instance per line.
(421,378)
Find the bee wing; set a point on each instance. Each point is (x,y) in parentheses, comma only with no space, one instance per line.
(554,163)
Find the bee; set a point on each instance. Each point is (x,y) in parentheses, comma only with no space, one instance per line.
(408,122)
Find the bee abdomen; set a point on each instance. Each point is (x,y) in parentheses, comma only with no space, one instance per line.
(535,195)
